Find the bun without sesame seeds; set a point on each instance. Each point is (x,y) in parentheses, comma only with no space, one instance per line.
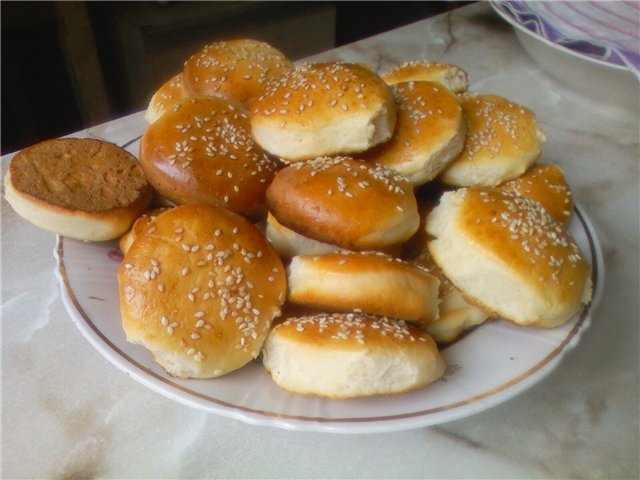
(348,355)
(353,204)
(81,188)
(200,291)
(370,282)
(323,109)
(451,76)
(506,254)
(237,69)
(203,153)
(429,134)
(503,140)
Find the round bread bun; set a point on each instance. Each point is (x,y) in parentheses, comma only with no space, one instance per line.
(203,153)
(429,134)
(503,140)
(506,254)
(451,76)
(144,224)
(547,185)
(237,69)
(348,355)
(80,188)
(200,291)
(370,282)
(166,98)
(323,109)
(350,203)
(288,243)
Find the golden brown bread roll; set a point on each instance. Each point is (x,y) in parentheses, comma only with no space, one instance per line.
(165,98)
(547,185)
(370,282)
(81,188)
(238,69)
(429,134)
(144,224)
(353,204)
(203,153)
(323,109)
(451,76)
(508,255)
(503,140)
(347,355)
(200,291)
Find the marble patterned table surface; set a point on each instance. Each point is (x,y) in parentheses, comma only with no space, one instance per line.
(68,413)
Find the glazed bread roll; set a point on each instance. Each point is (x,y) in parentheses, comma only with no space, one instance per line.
(509,256)
(347,355)
(323,109)
(166,98)
(143,225)
(203,153)
(503,141)
(429,133)
(547,185)
(80,188)
(345,202)
(451,76)
(370,282)
(237,69)
(288,243)
(200,291)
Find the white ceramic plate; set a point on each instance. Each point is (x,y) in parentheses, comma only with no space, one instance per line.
(488,366)
(587,75)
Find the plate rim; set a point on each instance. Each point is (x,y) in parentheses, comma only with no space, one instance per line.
(386,423)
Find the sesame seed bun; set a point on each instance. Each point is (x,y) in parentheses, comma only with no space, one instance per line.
(503,140)
(323,109)
(144,224)
(506,254)
(429,134)
(80,188)
(288,243)
(203,153)
(547,185)
(238,69)
(200,291)
(371,282)
(350,355)
(166,98)
(353,204)
(451,76)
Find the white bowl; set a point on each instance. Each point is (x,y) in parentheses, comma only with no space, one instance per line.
(589,76)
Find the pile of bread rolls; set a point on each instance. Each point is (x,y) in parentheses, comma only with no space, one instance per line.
(341,224)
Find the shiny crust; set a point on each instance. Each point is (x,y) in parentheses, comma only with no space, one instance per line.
(545,184)
(429,134)
(350,355)
(323,109)
(144,224)
(451,76)
(238,69)
(200,291)
(508,255)
(353,204)
(81,188)
(203,153)
(166,98)
(503,140)
(365,281)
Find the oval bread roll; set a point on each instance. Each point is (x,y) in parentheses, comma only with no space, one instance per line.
(451,76)
(508,255)
(166,98)
(80,188)
(200,291)
(347,355)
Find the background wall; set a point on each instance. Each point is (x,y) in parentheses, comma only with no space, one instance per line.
(70,65)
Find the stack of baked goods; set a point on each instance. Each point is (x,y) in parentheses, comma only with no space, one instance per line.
(385,214)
